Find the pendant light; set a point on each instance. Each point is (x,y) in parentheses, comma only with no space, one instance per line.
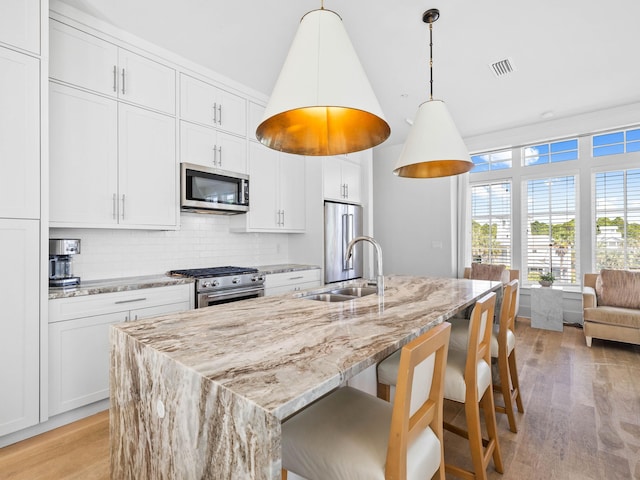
(433,147)
(322,102)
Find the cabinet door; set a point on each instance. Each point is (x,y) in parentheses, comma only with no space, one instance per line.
(83,158)
(292,191)
(263,177)
(140,313)
(351,180)
(19,135)
(332,179)
(146,82)
(20,24)
(79,361)
(204,103)
(147,168)
(232,152)
(198,145)
(82,59)
(256,112)
(19,325)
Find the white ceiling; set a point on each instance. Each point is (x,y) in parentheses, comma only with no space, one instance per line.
(571,56)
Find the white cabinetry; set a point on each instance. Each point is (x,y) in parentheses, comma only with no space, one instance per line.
(277,283)
(277,192)
(20,325)
(79,338)
(20,24)
(342,179)
(19,134)
(86,61)
(256,112)
(111,163)
(211,148)
(201,102)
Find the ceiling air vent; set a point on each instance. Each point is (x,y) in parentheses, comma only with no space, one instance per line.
(502,68)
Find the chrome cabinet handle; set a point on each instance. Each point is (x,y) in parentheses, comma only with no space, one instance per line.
(346,189)
(123,206)
(215,155)
(220,156)
(220,114)
(115,78)
(215,112)
(283,218)
(113,207)
(119,302)
(123,81)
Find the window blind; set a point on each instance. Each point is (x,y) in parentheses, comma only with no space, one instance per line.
(491,223)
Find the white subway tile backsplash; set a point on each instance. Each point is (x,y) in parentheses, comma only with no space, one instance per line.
(202,241)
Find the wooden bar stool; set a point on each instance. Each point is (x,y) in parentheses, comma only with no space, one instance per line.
(503,343)
(350,434)
(468,381)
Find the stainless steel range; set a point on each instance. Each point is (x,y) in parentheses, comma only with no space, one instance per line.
(218,285)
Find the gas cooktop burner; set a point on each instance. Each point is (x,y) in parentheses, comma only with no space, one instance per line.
(213,271)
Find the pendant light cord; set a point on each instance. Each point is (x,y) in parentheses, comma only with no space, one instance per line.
(431,60)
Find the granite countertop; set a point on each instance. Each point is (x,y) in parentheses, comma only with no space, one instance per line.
(203,393)
(93,287)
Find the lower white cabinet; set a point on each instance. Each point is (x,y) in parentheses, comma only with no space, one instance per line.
(79,338)
(277,283)
(19,325)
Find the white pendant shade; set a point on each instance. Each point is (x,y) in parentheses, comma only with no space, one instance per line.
(322,103)
(434,147)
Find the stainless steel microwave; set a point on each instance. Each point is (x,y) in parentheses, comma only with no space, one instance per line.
(209,190)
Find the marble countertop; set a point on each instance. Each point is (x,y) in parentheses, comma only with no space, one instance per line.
(202,394)
(300,348)
(93,287)
(285,267)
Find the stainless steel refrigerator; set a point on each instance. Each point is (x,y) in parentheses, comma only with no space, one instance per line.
(342,222)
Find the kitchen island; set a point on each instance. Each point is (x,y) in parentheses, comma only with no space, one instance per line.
(202,394)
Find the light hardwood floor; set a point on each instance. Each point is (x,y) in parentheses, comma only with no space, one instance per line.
(581,420)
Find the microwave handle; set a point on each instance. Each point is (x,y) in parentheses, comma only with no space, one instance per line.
(244,192)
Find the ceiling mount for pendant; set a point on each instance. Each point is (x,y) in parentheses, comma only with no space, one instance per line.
(433,148)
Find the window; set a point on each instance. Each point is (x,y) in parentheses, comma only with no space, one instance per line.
(491,161)
(616,142)
(550,152)
(491,223)
(617,219)
(551,229)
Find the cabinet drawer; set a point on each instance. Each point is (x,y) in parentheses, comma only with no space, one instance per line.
(89,305)
(292,278)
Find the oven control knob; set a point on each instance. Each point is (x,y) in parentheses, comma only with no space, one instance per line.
(206,284)
(215,283)
(235,280)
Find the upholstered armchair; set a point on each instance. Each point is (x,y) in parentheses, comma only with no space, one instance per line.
(611,306)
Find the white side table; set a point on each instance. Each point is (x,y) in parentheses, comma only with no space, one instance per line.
(546,307)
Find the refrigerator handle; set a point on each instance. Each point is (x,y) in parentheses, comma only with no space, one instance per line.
(347,236)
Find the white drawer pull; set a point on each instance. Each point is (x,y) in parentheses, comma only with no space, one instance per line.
(130,301)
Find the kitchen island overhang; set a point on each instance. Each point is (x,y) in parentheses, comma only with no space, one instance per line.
(202,394)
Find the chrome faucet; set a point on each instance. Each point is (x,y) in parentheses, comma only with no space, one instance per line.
(380,276)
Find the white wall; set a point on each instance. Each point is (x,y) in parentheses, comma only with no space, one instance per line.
(202,241)
(414,219)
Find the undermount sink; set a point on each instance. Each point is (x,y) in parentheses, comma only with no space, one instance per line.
(355,291)
(329,297)
(342,294)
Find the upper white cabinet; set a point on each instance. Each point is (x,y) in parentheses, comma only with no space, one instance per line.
(86,61)
(342,180)
(207,104)
(20,325)
(20,24)
(256,112)
(111,163)
(212,148)
(19,134)
(277,192)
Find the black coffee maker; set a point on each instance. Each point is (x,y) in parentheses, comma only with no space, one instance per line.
(60,265)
